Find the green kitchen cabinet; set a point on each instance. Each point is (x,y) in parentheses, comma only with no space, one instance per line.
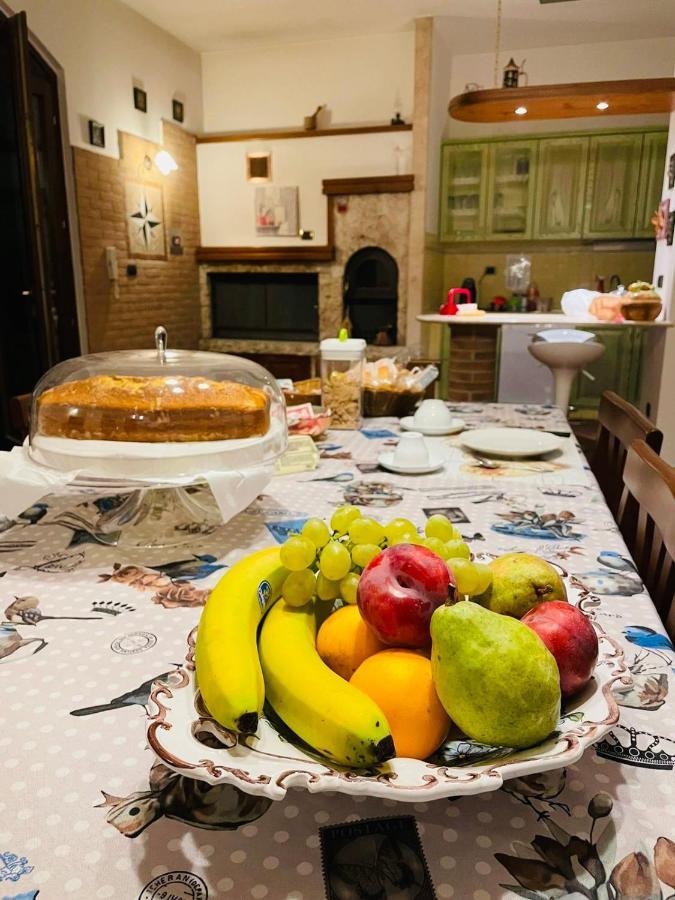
(612,185)
(463,192)
(510,199)
(651,181)
(618,369)
(560,188)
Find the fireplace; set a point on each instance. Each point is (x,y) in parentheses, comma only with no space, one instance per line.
(273,305)
(371,295)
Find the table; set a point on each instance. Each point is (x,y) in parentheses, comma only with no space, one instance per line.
(85,811)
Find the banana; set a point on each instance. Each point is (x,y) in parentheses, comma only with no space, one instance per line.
(330,715)
(226,652)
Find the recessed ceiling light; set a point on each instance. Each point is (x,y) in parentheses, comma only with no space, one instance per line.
(520,110)
(602,105)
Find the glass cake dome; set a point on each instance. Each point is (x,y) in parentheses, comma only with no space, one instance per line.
(147,413)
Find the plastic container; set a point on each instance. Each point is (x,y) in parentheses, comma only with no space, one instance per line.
(145,413)
(342,362)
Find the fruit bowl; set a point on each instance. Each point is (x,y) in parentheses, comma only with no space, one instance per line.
(184,736)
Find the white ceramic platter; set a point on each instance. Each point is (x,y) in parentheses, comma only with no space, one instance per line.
(517,443)
(454,426)
(189,741)
(437,458)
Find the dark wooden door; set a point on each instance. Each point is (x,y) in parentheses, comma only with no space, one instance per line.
(38,319)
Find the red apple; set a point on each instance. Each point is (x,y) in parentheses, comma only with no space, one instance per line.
(571,639)
(399,590)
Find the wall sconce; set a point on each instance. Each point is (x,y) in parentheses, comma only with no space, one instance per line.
(165,162)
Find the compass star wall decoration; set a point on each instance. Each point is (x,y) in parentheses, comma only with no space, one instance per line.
(145,220)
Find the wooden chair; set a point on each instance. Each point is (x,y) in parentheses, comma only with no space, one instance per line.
(647,522)
(19,416)
(620,424)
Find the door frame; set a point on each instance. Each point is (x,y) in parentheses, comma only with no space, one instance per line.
(69,177)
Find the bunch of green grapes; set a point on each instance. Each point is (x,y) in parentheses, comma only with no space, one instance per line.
(326,562)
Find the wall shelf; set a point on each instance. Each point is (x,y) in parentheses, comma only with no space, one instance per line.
(280,134)
(635,96)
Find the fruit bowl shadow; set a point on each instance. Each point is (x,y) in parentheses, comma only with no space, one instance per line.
(190,742)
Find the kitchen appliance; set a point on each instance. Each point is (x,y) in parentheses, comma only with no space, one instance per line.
(449,308)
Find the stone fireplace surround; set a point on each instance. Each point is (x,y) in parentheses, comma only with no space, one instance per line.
(371,212)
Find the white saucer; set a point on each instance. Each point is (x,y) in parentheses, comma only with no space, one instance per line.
(437,458)
(455,425)
(511,442)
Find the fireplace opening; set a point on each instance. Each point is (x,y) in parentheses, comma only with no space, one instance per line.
(371,295)
(275,305)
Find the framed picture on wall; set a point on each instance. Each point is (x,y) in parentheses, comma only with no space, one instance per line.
(671,229)
(276,211)
(671,172)
(96,134)
(145,220)
(140,99)
(177,110)
(259,167)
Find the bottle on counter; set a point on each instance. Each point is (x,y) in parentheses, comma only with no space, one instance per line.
(342,361)
(600,284)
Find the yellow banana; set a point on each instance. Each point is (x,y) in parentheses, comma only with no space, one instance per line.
(336,719)
(226,653)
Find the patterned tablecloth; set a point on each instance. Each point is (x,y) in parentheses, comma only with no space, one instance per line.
(86,812)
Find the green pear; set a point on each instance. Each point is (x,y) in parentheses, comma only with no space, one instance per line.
(494,676)
(521,581)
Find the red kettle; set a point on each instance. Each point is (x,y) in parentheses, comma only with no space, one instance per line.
(449,308)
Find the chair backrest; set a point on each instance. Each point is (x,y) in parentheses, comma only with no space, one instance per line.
(647,522)
(620,424)
(19,416)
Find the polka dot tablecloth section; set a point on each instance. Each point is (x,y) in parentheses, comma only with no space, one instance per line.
(86,811)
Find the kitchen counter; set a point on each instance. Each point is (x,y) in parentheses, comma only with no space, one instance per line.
(492,318)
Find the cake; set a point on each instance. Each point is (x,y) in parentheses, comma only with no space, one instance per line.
(153,409)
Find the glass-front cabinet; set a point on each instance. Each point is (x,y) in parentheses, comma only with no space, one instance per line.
(463,192)
(553,187)
(561,182)
(613,179)
(511,167)
(651,181)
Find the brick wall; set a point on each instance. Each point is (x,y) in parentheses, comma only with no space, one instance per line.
(165,291)
(473,363)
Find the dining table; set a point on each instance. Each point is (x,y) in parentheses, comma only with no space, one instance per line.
(87,810)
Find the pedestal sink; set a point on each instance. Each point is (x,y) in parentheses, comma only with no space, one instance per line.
(566,352)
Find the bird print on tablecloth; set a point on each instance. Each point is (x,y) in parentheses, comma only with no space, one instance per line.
(11,641)
(200,566)
(188,800)
(650,640)
(138,696)
(614,560)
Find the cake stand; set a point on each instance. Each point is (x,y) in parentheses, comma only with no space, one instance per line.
(171,491)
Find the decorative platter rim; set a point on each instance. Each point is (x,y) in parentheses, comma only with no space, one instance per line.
(269,765)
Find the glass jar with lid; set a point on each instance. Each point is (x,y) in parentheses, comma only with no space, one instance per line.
(342,362)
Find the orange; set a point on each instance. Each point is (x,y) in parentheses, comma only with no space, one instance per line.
(400,682)
(345,640)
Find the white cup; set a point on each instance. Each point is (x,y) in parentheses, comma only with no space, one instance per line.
(432,414)
(411,451)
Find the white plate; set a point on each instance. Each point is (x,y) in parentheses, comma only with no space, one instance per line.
(511,442)
(455,425)
(437,458)
(267,765)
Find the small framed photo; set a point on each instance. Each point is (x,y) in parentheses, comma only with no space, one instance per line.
(671,229)
(140,99)
(661,229)
(96,134)
(177,110)
(671,172)
(258,167)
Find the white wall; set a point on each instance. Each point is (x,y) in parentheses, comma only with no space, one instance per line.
(608,61)
(362,80)
(664,265)
(104,49)
(226,199)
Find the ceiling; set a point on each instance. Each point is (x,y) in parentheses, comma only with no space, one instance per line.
(223,24)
